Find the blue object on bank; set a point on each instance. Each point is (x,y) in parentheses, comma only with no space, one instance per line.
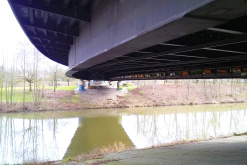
(81,88)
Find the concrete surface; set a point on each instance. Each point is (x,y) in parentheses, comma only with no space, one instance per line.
(224,151)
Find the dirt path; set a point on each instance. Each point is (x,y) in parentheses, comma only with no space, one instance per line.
(224,151)
(103,97)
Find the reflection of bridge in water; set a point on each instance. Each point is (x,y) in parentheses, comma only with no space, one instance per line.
(120,39)
(97,132)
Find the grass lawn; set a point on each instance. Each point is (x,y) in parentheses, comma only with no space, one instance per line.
(66,88)
(29,97)
(18,96)
(131,87)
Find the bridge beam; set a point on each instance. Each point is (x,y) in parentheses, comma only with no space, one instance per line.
(52,45)
(52,28)
(114,36)
(64,40)
(125,37)
(71,12)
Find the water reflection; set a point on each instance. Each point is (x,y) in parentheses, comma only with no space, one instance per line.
(46,136)
(148,130)
(34,140)
(97,132)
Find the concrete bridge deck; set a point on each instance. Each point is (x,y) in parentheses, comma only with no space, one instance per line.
(123,39)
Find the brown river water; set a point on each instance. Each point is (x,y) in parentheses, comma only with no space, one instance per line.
(47,136)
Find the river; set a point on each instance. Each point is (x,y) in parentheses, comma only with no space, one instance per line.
(47,136)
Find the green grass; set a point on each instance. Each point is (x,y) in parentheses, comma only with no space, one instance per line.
(18,96)
(66,160)
(131,87)
(129,84)
(75,99)
(240,134)
(18,93)
(141,92)
(65,88)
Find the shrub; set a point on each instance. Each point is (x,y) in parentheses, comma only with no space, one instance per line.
(141,92)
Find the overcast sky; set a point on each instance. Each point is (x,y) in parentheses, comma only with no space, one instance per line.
(10,32)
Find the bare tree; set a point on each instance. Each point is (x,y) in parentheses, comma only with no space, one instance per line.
(68,80)
(188,87)
(12,75)
(1,83)
(22,54)
(54,73)
(36,78)
(61,74)
(43,73)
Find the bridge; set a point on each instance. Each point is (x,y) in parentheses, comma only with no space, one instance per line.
(133,39)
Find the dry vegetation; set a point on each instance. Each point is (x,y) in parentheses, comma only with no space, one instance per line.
(184,94)
(100,152)
(168,94)
(95,157)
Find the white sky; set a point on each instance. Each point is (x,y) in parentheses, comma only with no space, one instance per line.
(10,33)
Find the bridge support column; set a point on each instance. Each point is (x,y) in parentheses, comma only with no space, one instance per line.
(91,84)
(84,83)
(119,85)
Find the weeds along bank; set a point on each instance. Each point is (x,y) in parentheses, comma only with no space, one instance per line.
(142,95)
(186,94)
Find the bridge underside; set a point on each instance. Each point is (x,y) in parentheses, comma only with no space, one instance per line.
(204,40)
(202,59)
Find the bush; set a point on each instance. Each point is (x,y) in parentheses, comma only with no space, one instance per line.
(141,92)
(128,85)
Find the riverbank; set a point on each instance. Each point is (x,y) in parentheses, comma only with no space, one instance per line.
(145,96)
(229,150)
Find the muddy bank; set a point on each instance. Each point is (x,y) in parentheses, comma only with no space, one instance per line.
(145,96)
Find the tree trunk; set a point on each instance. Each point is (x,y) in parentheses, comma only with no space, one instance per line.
(176,82)
(55,82)
(154,82)
(188,88)
(54,86)
(214,82)
(204,86)
(11,90)
(232,87)
(30,86)
(240,87)
(1,93)
(219,88)
(43,85)
(24,88)
(6,91)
